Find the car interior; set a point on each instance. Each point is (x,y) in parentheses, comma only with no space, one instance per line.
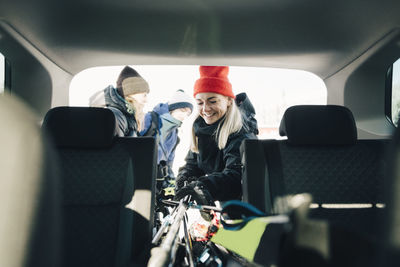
(75,194)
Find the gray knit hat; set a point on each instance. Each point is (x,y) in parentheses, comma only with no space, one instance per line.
(180,100)
(130,82)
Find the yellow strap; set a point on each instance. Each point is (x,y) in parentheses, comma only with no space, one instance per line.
(169,191)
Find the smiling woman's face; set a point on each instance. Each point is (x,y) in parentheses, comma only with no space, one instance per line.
(212,106)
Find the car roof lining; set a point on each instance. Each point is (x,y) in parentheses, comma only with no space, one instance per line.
(311,35)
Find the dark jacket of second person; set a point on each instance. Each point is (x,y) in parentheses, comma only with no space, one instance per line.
(123,111)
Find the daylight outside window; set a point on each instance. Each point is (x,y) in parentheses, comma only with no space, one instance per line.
(396,92)
(2,73)
(271,91)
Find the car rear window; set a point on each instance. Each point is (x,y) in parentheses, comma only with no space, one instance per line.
(270,90)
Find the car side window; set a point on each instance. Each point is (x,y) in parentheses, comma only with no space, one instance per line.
(393,93)
(2,73)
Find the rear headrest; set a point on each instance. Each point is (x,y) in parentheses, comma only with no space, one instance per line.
(80,127)
(318,125)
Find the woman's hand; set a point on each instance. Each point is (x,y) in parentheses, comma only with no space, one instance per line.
(182,181)
(198,191)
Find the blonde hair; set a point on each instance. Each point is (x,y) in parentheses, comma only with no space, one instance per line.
(231,123)
(138,112)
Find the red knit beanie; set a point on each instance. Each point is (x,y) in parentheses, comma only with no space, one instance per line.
(213,79)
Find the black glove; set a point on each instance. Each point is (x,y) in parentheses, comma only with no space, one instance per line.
(198,191)
(163,169)
(180,182)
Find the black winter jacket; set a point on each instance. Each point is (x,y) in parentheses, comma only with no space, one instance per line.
(123,111)
(219,170)
(248,113)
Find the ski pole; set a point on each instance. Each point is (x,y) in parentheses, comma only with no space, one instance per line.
(161,255)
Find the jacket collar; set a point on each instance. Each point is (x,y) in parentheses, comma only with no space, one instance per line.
(113,99)
(201,127)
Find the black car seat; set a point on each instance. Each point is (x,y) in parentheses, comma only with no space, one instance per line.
(101,174)
(323,157)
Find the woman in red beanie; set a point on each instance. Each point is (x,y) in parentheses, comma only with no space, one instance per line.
(213,166)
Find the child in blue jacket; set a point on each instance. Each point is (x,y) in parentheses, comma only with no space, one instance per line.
(163,123)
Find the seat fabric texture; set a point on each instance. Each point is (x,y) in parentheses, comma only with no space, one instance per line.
(101,173)
(332,165)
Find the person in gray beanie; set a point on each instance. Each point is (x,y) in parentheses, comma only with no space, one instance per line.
(126,101)
(163,123)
